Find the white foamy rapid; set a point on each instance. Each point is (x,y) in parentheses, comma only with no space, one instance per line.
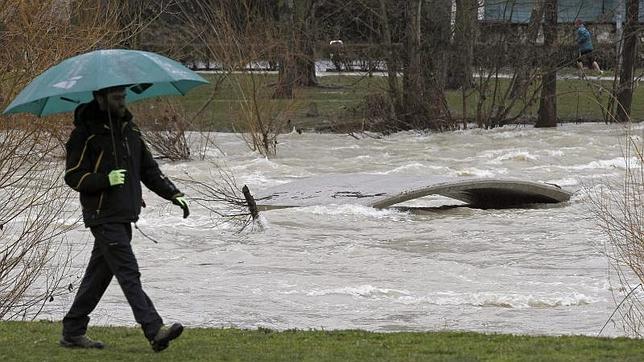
(535,271)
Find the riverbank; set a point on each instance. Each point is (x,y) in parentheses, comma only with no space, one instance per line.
(340,101)
(37,341)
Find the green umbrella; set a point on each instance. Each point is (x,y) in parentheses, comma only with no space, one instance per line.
(64,86)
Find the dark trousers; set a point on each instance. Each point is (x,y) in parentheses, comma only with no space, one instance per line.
(112,256)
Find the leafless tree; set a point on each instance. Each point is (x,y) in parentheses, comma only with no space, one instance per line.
(629,53)
(391,60)
(547,115)
(297,24)
(524,76)
(465,36)
(507,84)
(418,100)
(164,127)
(238,34)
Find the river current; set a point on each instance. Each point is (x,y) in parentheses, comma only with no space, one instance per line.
(529,271)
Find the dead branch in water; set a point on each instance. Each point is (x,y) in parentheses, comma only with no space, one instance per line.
(223,198)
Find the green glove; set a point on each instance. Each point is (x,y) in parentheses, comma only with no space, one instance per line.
(183,204)
(116,177)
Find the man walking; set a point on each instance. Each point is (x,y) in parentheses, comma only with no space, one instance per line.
(107,160)
(585,44)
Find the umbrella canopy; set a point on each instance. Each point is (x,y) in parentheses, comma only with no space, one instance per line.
(64,86)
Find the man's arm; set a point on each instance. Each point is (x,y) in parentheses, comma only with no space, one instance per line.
(153,178)
(80,174)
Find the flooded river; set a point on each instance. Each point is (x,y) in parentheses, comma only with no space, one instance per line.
(528,271)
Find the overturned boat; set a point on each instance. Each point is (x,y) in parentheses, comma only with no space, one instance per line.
(384,191)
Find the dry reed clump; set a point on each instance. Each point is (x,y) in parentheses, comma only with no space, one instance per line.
(35,208)
(619,210)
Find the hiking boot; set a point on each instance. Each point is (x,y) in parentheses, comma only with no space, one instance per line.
(80,342)
(164,336)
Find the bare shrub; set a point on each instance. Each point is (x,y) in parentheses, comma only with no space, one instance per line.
(499,100)
(33,221)
(33,200)
(164,126)
(375,113)
(237,34)
(261,118)
(619,210)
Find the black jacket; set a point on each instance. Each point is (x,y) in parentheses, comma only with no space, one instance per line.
(90,159)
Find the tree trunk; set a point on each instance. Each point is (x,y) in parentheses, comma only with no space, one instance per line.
(465,33)
(297,62)
(547,116)
(414,114)
(522,80)
(629,53)
(391,61)
(437,19)
(307,22)
(287,70)
(435,57)
(423,101)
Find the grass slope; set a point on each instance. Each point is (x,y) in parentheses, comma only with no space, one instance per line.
(337,94)
(37,341)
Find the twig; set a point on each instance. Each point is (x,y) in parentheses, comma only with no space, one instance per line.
(617,308)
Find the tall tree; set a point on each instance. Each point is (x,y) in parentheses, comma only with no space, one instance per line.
(391,59)
(435,57)
(413,99)
(437,32)
(522,81)
(547,115)
(629,54)
(298,24)
(287,69)
(465,33)
(423,99)
(306,21)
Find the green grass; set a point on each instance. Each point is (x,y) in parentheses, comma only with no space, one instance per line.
(336,94)
(575,101)
(37,341)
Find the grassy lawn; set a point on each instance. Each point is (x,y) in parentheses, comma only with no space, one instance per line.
(37,341)
(576,99)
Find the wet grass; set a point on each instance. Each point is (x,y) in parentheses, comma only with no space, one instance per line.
(578,100)
(37,341)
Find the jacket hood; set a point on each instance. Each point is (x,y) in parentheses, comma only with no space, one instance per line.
(90,116)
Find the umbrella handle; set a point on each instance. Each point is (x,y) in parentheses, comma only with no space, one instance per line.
(116,159)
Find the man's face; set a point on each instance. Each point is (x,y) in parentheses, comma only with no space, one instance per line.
(114,101)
